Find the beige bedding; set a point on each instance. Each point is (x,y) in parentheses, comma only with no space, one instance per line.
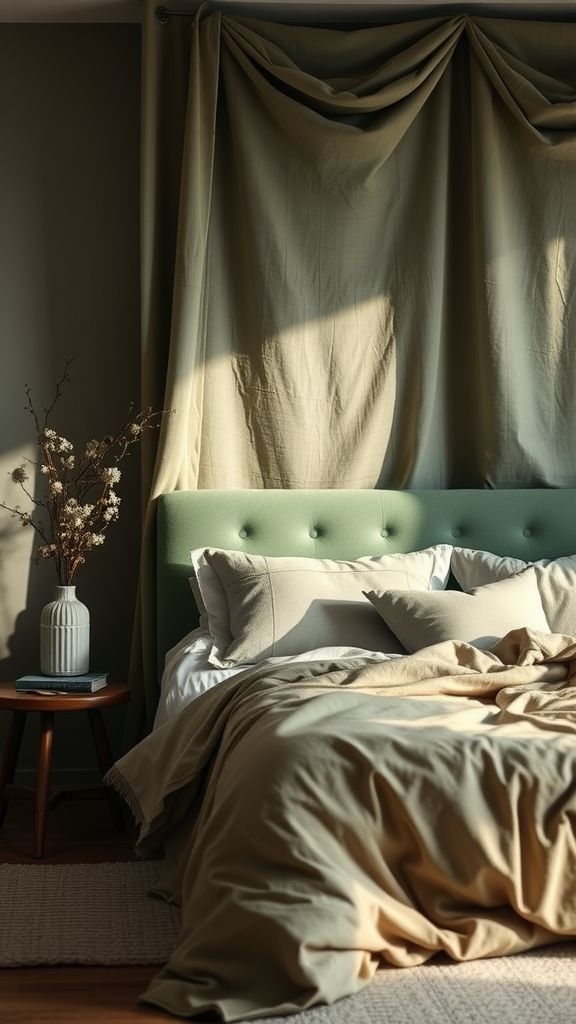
(319,826)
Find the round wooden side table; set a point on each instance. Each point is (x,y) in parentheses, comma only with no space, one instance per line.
(47,706)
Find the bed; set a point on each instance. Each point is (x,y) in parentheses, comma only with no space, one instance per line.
(364,753)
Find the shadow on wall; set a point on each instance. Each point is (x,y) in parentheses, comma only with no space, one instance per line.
(22,649)
(20,604)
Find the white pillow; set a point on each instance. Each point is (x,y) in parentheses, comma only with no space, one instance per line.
(481,617)
(203,621)
(260,607)
(556,581)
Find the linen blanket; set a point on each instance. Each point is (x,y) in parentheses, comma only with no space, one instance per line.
(320,821)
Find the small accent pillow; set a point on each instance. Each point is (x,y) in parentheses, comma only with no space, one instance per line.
(481,617)
(260,607)
(556,581)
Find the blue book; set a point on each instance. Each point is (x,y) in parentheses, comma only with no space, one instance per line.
(87,683)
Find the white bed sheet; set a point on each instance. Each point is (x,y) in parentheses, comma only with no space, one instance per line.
(188,673)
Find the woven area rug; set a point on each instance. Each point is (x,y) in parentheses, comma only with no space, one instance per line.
(101,914)
(83,914)
(537,987)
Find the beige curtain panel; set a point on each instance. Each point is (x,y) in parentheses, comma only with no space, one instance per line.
(357,256)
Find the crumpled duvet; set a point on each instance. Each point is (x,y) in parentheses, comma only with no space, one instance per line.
(320,820)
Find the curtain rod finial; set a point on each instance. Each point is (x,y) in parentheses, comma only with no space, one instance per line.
(162,16)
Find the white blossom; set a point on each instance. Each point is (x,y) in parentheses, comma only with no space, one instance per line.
(68,525)
(49,438)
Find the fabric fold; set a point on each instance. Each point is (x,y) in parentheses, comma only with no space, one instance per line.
(546,106)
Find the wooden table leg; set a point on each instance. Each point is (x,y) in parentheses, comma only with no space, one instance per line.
(43,768)
(105,761)
(10,758)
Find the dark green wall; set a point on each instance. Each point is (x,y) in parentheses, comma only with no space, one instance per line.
(69,284)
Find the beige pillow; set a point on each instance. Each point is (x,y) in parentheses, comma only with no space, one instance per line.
(260,607)
(481,617)
(556,581)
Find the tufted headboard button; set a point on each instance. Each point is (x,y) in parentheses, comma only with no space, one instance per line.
(526,532)
(314,533)
(243,533)
(456,532)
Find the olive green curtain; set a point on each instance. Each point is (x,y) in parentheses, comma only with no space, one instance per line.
(357,257)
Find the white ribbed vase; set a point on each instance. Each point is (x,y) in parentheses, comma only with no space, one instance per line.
(65,635)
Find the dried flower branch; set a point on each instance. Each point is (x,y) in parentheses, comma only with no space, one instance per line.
(81,501)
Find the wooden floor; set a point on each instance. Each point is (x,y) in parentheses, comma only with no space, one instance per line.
(78,832)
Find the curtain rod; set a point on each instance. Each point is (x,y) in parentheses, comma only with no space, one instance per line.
(496,8)
(163,14)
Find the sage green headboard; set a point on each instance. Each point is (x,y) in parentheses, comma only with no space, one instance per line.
(526,523)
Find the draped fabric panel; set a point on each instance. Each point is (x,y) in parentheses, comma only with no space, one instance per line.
(357,251)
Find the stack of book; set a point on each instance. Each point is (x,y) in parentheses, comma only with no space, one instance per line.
(89,682)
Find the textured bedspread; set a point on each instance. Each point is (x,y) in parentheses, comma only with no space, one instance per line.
(318,826)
